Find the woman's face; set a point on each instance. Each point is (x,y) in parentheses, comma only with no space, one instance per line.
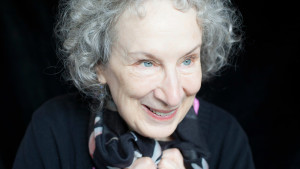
(154,70)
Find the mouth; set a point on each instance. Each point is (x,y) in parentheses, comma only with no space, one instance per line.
(160,114)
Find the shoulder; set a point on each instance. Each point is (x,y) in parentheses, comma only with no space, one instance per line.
(227,142)
(218,123)
(61,109)
(216,119)
(63,119)
(57,135)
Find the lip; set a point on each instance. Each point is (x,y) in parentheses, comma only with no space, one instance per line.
(160,118)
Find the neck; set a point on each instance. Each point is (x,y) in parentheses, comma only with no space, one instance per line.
(170,138)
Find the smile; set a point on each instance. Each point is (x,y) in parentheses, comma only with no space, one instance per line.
(160,114)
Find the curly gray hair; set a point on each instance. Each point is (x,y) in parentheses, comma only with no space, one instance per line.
(85,29)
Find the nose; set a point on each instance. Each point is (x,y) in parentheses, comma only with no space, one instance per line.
(170,91)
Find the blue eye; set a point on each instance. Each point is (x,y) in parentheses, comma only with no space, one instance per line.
(187,62)
(148,64)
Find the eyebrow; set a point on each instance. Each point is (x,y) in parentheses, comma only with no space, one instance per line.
(153,56)
(191,51)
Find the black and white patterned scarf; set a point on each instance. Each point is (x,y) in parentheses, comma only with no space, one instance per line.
(112,145)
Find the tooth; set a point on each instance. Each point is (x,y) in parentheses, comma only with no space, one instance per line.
(160,113)
(163,114)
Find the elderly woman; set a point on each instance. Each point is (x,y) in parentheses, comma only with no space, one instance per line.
(139,65)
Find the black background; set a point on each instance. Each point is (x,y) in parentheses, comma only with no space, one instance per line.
(261,90)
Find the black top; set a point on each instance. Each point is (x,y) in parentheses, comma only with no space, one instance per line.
(57,137)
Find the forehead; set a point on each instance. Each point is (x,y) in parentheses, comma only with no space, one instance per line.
(159,24)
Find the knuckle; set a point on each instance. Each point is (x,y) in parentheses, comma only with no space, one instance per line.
(161,164)
(147,161)
(176,152)
(144,162)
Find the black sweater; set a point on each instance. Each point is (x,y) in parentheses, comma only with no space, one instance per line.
(57,137)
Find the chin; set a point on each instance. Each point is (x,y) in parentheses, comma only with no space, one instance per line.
(161,133)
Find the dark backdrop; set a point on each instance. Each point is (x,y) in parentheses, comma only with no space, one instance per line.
(261,91)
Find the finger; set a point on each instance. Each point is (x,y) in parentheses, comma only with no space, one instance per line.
(167,164)
(173,154)
(144,162)
(171,159)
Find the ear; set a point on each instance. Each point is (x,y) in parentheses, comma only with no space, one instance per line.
(101,75)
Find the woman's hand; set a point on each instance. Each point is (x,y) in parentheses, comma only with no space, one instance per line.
(171,159)
(144,162)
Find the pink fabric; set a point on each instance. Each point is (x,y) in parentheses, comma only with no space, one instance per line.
(196,105)
(97,131)
(92,144)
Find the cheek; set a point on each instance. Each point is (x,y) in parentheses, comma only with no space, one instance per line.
(192,83)
(127,85)
(139,86)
